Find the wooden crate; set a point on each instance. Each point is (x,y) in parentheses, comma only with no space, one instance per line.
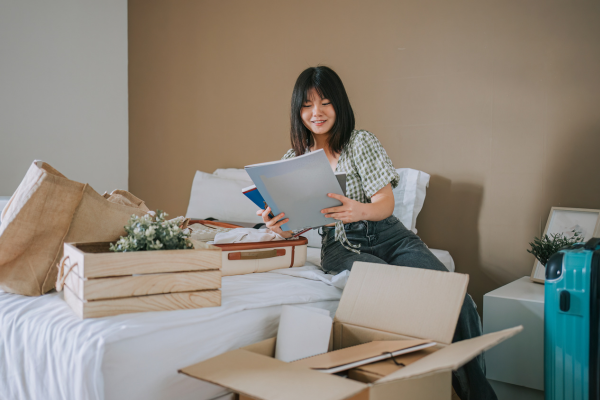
(156,302)
(100,283)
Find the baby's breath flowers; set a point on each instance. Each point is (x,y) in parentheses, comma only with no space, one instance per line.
(153,233)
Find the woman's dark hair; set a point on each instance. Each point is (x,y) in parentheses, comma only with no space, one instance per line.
(329,86)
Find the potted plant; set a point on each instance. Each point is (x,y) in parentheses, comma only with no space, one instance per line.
(545,247)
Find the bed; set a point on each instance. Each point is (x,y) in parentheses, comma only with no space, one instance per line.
(47,352)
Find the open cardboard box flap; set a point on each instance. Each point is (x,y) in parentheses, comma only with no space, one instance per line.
(408,302)
(452,357)
(267,378)
(392,299)
(387,366)
(357,353)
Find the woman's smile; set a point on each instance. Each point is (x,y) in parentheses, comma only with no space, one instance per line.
(317,114)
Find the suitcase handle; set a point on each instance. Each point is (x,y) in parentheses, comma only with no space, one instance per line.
(256,255)
(216,224)
(592,244)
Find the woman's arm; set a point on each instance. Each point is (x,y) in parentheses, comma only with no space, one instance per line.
(381,207)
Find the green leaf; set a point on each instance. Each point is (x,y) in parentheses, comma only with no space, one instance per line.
(545,247)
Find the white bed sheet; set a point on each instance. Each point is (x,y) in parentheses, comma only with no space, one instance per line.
(46,352)
(138,368)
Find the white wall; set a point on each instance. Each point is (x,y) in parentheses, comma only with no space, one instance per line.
(63,90)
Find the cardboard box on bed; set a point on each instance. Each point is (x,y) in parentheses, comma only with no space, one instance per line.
(380,302)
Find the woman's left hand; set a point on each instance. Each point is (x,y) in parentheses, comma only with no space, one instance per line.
(349,211)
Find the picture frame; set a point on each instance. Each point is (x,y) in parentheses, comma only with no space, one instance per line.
(565,220)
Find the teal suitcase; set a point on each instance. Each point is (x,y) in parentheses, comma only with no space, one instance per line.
(571,322)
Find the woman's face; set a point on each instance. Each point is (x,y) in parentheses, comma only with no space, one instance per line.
(317,114)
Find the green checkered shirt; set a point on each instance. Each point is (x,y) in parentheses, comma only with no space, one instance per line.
(368,170)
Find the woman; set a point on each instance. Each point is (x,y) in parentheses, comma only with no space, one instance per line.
(366,230)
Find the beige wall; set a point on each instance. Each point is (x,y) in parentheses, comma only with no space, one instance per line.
(498,100)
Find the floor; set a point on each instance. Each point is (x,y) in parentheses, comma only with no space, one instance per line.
(506,391)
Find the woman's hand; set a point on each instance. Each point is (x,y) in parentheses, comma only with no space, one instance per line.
(349,211)
(274,224)
(380,207)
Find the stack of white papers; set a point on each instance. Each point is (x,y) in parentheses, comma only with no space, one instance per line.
(298,187)
(303,332)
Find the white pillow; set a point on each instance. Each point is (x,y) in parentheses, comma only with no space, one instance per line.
(3,202)
(445,258)
(216,197)
(233,173)
(409,196)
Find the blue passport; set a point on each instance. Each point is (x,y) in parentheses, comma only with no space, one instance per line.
(253,194)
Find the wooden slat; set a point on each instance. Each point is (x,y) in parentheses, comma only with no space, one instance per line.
(96,265)
(140,285)
(157,302)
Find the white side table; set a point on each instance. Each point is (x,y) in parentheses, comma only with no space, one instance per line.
(520,360)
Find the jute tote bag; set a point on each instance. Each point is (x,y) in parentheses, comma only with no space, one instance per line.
(47,210)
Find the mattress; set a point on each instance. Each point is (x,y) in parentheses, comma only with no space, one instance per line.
(47,352)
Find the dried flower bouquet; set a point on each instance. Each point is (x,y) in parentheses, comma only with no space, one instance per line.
(154,233)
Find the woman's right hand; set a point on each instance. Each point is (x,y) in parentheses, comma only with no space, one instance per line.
(274,224)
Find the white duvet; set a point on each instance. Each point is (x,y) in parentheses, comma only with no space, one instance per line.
(48,353)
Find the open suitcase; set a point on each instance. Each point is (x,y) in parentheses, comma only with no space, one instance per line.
(571,322)
(249,257)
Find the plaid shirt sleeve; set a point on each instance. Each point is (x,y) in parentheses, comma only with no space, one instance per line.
(290,154)
(372,164)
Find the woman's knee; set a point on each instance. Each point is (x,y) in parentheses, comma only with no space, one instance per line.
(334,263)
(417,258)
(469,322)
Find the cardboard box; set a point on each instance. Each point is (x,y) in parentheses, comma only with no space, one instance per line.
(373,372)
(380,302)
(99,283)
